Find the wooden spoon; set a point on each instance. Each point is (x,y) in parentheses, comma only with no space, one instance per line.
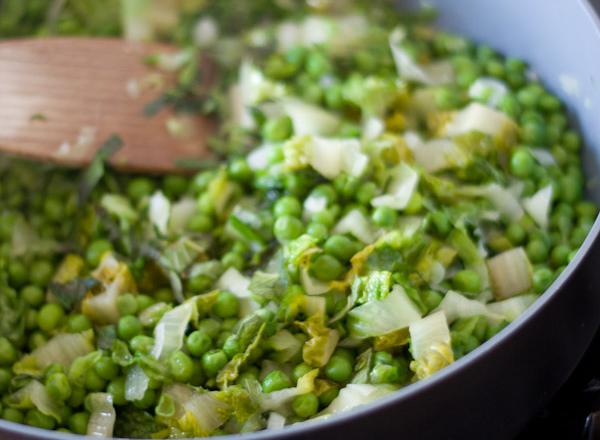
(61,98)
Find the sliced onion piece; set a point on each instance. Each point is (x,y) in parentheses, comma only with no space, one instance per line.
(102,415)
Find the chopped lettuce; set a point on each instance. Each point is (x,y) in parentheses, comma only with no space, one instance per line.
(353,395)
(102,415)
(478,117)
(356,224)
(430,345)
(510,273)
(34,395)
(381,316)
(321,343)
(403,184)
(488,91)
(159,212)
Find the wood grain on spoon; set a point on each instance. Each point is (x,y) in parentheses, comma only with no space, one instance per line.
(60,98)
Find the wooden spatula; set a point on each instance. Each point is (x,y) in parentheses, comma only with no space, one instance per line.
(60,98)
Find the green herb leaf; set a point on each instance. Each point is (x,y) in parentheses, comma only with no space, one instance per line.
(94,172)
(71,293)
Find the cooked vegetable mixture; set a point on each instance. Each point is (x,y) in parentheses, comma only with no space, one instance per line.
(390,197)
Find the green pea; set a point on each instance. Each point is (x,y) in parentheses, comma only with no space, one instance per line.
(95,250)
(106,368)
(41,272)
(128,327)
(572,141)
(560,255)
(467,281)
(78,323)
(140,187)
(93,382)
(586,209)
(205,204)
(36,340)
(334,97)
(220,341)
(542,278)
(148,400)
(288,228)
(231,346)
(537,251)
(174,185)
(232,259)
(383,357)
(529,96)
(300,370)
(277,130)
(58,387)
(516,234)
(164,295)
(213,361)
(77,397)
(227,305)
(326,397)
(18,273)
(339,369)
(239,170)
(326,268)
(78,422)
(383,373)
(509,104)
(446,98)
(116,388)
(181,366)
(325,217)
(341,247)
(384,216)
(53,208)
(12,415)
(287,206)
(431,299)
(5,378)
(35,418)
(33,295)
(440,222)
(50,317)
(210,327)
(198,343)
(274,381)
(522,163)
(317,230)
(200,223)
(141,344)
(199,283)
(305,405)
(571,188)
(143,302)
(127,304)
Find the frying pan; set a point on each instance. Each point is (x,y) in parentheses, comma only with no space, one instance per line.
(493,391)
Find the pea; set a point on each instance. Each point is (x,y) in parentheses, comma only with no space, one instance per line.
(542,278)
(326,268)
(288,228)
(211,327)
(446,98)
(300,370)
(560,255)
(139,187)
(274,381)
(164,295)
(213,361)
(198,343)
(17,273)
(199,283)
(383,373)
(572,141)
(78,422)
(93,382)
(95,250)
(5,378)
(147,400)
(141,344)
(50,317)
(116,388)
(529,96)
(317,230)
(58,387)
(586,209)
(231,346)
(143,302)
(106,368)
(339,369)
(41,272)
(277,130)
(200,223)
(287,206)
(239,170)
(415,204)
(571,188)
(516,234)
(522,163)
(127,304)
(232,259)
(326,397)
(36,340)
(341,247)
(305,405)
(227,305)
(174,185)
(12,415)
(77,397)
(537,251)
(33,295)
(510,105)
(35,418)
(384,216)
(467,281)
(181,366)
(128,327)
(53,208)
